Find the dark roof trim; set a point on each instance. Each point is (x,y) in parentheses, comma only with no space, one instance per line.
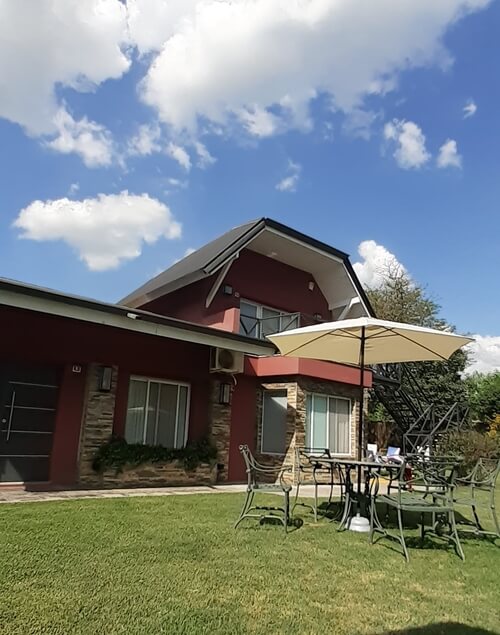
(293,233)
(235,247)
(17,287)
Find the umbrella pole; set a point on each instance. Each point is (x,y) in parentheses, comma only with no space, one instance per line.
(361,418)
(358,522)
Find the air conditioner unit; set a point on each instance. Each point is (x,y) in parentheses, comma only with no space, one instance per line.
(223,360)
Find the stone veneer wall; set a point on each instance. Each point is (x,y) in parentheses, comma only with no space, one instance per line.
(97,429)
(296,415)
(97,425)
(220,426)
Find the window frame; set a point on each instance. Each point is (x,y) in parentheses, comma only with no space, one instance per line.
(259,317)
(264,391)
(309,433)
(168,382)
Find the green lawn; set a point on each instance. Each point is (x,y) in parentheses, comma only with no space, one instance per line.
(176,565)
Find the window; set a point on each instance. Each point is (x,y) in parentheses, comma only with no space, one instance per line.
(328,423)
(274,405)
(157,413)
(258,321)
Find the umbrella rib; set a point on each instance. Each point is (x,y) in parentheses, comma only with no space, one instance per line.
(318,338)
(426,348)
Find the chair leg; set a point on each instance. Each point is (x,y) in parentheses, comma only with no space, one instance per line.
(287,510)
(476,518)
(347,510)
(494,515)
(454,535)
(402,536)
(296,497)
(246,506)
(372,519)
(315,502)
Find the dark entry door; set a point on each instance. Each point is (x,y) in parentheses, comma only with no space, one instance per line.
(28,401)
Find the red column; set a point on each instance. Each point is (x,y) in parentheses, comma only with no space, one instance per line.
(64,458)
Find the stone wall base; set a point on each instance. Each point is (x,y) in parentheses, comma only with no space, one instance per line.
(153,475)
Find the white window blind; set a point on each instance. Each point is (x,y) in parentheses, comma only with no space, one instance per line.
(274,422)
(328,423)
(157,413)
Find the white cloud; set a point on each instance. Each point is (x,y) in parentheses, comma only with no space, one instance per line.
(223,57)
(485,354)
(56,43)
(376,262)
(152,22)
(179,154)
(74,188)
(259,62)
(448,155)
(104,231)
(145,142)
(205,159)
(177,183)
(469,109)
(289,183)
(91,141)
(358,123)
(410,152)
(259,121)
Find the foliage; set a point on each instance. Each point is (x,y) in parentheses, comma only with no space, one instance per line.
(401,299)
(471,445)
(484,396)
(116,454)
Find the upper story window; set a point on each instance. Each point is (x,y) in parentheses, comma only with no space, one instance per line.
(157,413)
(257,320)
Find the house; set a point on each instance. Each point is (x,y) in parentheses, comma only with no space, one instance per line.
(182,358)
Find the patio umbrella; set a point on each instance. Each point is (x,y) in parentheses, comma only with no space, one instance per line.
(366,341)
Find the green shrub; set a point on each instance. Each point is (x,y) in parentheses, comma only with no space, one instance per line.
(471,445)
(117,453)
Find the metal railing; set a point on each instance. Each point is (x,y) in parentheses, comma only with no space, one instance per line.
(261,327)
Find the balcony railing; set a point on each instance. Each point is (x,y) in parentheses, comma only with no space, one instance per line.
(261,327)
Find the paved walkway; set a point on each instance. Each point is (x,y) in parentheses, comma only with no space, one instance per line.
(22,496)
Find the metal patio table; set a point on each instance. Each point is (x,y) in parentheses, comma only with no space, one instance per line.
(361,497)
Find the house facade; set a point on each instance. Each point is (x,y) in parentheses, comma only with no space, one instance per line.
(181,359)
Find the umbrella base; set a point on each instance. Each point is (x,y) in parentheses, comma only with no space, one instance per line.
(359,524)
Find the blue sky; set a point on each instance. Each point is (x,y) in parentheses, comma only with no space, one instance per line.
(343,120)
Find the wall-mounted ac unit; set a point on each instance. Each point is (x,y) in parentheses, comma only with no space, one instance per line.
(223,360)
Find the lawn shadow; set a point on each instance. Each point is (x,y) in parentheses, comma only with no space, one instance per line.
(442,628)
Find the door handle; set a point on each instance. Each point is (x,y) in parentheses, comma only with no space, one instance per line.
(9,426)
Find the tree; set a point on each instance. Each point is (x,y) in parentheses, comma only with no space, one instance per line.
(484,395)
(401,299)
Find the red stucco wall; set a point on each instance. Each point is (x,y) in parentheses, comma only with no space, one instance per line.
(253,277)
(243,426)
(50,340)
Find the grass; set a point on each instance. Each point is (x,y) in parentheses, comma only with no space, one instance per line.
(175,565)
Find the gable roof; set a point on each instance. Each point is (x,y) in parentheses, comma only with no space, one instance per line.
(207,260)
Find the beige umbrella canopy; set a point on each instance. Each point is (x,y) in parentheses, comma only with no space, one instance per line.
(381,342)
(366,341)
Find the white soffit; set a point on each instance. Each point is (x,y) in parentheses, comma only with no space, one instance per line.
(328,270)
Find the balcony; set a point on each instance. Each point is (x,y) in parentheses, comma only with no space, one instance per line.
(261,326)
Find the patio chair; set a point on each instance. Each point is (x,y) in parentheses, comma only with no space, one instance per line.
(310,467)
(265,479)
(430,491)
(482,478)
